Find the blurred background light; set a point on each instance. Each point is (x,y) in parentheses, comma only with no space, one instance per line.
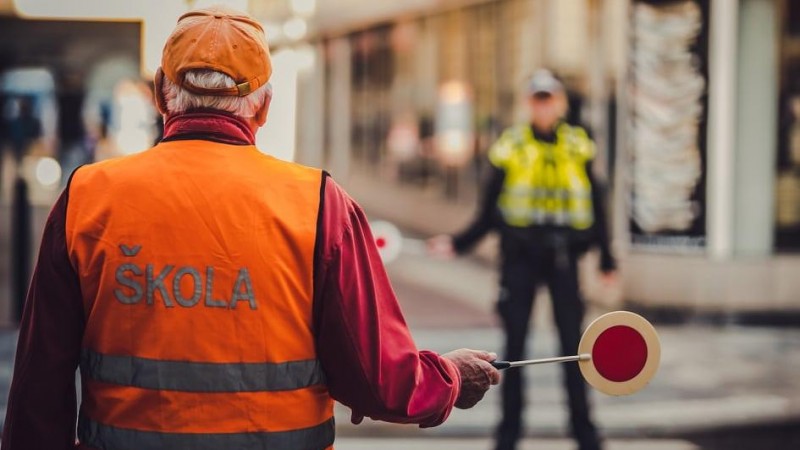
(304,58)
(454,92)
(295,28)
(274,31)
(27,81)
(48,171)
(133,128)
(304,7)
(454,125)
(240,5)
(279,135)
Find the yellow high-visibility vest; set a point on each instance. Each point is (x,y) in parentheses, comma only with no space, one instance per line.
(545,184)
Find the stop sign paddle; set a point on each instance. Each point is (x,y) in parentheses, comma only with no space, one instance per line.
(618,354)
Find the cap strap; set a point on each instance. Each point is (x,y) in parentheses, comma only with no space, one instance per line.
(244,88)
(240,90)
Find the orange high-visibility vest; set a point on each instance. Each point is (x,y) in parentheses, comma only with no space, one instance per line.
(196,268)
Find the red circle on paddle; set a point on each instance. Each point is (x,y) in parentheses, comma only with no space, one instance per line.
(380,242)
(619,353)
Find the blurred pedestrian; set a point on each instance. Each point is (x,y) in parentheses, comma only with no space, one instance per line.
(73,149)
(21,247)
(4,136)
(215,297)
(23,129)
(543,200)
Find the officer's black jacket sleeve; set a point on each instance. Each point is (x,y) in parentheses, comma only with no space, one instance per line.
(601,234)
(487,216)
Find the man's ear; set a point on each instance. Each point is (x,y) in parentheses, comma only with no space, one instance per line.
(158,92)
(263,111)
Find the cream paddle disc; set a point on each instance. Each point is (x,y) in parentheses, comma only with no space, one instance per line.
(624,352)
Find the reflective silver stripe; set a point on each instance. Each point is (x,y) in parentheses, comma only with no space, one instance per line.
(104,437)
(200,377)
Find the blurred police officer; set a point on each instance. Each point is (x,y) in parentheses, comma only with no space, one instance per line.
(543,200)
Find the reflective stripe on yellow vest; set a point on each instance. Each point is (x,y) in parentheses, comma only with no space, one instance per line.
(545,184)
(196,268)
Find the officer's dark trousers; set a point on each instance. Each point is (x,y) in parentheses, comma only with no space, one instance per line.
(523,270)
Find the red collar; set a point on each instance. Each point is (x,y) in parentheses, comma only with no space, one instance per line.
(208,125)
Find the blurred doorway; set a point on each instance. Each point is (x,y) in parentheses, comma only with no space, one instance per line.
(45,67)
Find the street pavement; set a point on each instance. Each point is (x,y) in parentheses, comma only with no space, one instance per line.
(485,444)
(711,377)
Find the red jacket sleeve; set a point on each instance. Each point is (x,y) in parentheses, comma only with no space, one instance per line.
(42,404)
(371,361)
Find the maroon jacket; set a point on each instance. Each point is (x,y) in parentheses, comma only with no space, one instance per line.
(363,343)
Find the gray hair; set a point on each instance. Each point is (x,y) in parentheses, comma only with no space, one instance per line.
(179,100)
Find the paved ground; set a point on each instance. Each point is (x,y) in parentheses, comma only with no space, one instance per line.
(710,377)
(719,387)
(484,444)
(708,380)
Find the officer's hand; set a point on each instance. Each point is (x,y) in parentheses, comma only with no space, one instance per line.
(477,375)
(609,278)
(441,247)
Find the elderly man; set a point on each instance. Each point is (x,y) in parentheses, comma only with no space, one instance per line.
(213,296)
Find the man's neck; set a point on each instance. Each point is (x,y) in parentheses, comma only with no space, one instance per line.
(209,125)
(547,134)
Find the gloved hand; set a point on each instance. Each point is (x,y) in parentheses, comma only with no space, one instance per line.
(477,375)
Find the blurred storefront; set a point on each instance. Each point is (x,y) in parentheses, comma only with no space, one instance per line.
(427,93)
(61,79)
(694,105)
(65,97)
(723,203)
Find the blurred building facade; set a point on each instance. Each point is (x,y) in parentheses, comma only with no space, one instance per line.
(694,105)
(72,76)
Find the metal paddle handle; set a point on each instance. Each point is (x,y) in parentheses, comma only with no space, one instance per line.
(502,365)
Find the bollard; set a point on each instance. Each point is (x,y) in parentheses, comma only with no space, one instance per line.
(20,246)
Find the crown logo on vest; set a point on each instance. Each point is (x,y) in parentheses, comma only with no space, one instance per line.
(130,251)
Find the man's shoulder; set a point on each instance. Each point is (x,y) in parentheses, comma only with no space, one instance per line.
(579,139)
(578,131)
(511,139)
(336,198)
(106,167)
(290,166)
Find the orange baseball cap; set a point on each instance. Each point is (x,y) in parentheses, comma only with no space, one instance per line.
(219,39)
